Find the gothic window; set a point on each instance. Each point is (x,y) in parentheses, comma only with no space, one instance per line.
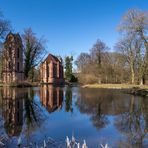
(9,51)
(18,105)
(9,105)
(48,70)
(18,53)
(9,65)
(18,66)
(54,70)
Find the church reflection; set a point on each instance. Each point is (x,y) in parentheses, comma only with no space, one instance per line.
(51,97)
(12,110)
(19,109)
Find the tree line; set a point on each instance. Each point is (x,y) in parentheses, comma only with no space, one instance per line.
(128,63)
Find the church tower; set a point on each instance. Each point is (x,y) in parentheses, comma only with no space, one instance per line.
(13,59)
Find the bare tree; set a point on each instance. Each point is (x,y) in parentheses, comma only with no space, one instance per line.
(94,67)
(129,47)
(98,55)
(131,55)
(82,61)
(135,22)
(5,27)
(97,51)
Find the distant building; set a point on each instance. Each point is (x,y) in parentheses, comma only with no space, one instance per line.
(51,70)
(12,70)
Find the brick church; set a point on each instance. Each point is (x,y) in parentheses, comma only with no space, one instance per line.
(51,70)
(12,65)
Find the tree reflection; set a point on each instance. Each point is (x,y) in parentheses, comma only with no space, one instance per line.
(19,110)
(30,114)
(12,111)
(145,113)
(98,118)
(68,100)
(132,124)
(95,104)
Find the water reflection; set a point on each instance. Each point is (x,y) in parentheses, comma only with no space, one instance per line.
(97,105)
(133,124)
(19,110)
(68,100)
(51,97)
(12,110)
(122,117)
(130,114)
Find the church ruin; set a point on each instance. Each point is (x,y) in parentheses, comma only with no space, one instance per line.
(51,70)
(12,65)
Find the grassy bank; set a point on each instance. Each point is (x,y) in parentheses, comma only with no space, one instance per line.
(140,90)
(115,86)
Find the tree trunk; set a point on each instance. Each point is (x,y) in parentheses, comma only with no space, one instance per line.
(132,73)
(142,80)
(99,80)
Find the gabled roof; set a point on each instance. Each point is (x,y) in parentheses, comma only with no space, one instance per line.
(16,37)
(52,57)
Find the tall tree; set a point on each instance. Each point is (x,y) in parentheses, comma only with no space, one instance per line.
(34,50)
(82,61)
(97,51)
(135,22)
(97,57)
(129,47)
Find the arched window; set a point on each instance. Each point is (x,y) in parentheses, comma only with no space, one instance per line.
(48,70)
(9,65)
(18,53)
(18,66)
(55,71)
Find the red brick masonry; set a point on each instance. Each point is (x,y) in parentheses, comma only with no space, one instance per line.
(12,67)
(51,70)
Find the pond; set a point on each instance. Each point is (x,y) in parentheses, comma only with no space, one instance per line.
(99,116)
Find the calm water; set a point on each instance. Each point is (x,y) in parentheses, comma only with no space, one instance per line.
(96,115)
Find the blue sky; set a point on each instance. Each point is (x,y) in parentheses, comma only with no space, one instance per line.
(70,26)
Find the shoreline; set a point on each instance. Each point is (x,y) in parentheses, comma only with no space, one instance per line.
(36,84)
(23,84)
(137,90)
(115,86)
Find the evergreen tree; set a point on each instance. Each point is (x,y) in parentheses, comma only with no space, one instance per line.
(34,51)
(68,67)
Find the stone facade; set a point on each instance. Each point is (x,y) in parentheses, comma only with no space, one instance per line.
(12,70)
(51,70)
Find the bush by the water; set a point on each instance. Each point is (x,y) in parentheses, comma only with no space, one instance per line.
(73,79)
